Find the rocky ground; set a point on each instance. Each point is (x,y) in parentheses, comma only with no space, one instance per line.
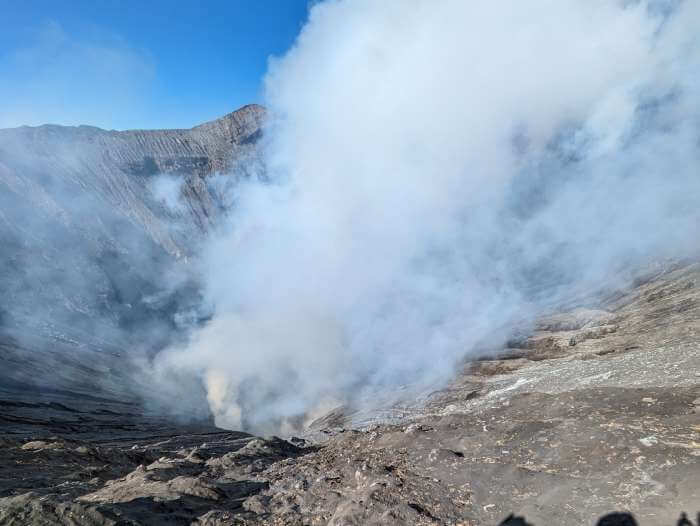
(597,410)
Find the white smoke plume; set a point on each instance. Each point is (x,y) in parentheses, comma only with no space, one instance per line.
(437,169)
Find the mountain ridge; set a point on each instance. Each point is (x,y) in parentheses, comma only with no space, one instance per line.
(93,258)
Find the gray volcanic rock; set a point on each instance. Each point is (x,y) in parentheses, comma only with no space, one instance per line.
(557,432)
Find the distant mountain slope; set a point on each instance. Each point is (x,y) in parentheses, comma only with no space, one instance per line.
(37,163)
(92,258)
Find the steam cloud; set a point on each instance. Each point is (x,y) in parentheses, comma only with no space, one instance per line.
(436,170)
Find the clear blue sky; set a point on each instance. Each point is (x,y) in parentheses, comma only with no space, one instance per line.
(137,64)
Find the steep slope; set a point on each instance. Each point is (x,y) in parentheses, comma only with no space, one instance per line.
(94,262)
(36,164)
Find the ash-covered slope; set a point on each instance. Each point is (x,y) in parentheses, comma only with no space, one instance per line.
(94,262)
(595,411)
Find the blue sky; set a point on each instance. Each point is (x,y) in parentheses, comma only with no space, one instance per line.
(137,64)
